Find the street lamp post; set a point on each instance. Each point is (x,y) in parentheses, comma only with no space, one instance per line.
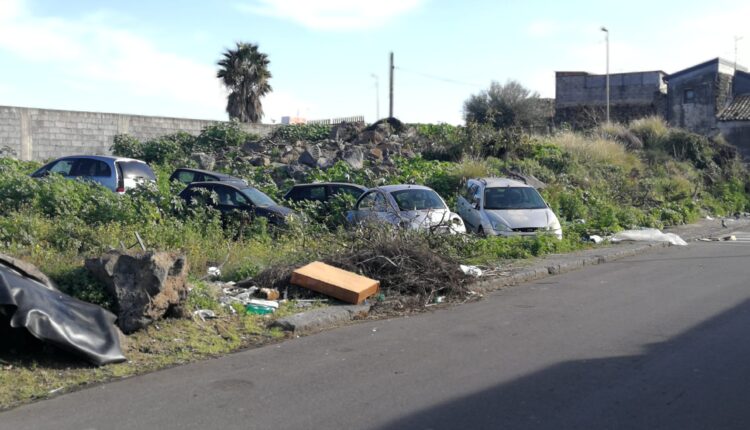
(377,96)
(606,41)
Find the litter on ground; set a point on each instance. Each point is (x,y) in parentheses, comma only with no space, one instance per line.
(340,284)
(648,235)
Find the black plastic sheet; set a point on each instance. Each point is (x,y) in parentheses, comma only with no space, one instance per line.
(33,303)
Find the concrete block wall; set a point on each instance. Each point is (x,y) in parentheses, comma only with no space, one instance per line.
(577,88)
(41,134)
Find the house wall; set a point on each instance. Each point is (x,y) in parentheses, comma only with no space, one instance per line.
(712,89)
(41,134)
(741,83)
(581,98)
(737,133)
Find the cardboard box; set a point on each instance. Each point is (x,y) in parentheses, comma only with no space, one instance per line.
(340,284)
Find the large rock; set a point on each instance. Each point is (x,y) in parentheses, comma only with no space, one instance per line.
(354,157)
(346,131)
(370,137)
(146,286)
(203,160)
(254,147)
(310,156)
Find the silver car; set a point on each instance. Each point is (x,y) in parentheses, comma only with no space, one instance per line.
(116,173)
(505,207)
(406,206)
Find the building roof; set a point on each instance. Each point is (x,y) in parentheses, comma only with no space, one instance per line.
(738,109)
(717,61)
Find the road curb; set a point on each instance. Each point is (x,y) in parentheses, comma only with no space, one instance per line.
(321,319)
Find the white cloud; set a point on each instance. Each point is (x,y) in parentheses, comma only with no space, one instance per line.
(9,9)
(332,14)
(89,55)
(544,28)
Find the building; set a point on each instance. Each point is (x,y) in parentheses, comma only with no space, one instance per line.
(581,100)
(709,98)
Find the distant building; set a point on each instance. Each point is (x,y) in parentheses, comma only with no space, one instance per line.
(708,98)
(293,120)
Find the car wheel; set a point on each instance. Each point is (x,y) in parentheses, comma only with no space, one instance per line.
(481,232)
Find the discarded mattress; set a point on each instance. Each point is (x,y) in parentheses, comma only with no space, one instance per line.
(31,301)
(648,235)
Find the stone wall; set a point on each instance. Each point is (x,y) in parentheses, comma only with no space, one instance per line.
(41,134)
(737,133)
(581,97)
(580,88)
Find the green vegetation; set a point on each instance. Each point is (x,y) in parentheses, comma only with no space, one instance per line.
(598,183)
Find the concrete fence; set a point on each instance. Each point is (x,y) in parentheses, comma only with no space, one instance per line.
(41,134)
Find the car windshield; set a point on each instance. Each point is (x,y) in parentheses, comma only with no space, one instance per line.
(513,198)
(418,200)
(258,198)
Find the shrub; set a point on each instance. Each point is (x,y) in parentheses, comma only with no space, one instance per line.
(652,131)
(222,136)
(125,145)
(505,105)
(306,132)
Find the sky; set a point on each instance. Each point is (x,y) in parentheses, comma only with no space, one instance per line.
(329,58)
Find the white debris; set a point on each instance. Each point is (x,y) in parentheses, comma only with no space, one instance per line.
(268,303)
(213,271)
(471,270)
(709,217)
(596,238)
(648,235)
(205,314)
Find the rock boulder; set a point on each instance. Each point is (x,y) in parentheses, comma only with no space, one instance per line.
(146,287)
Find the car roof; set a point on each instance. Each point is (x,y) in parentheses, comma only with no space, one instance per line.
(101,158)
(503,182)
(208,172)
(345,184)
(234,184)
(401,187)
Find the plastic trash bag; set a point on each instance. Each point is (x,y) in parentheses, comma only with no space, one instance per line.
(33,303)
(648,235)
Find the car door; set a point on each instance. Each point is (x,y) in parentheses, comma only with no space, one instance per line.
(468,205)
(364,208)
(463,201)
(229,199)
(334,190)
(94,170)
(184,176)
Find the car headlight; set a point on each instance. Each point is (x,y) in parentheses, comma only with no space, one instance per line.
(554,225)
(498,225)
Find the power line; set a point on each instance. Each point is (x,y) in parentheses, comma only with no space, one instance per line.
(440,78)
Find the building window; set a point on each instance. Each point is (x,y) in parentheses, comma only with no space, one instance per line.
(689,96)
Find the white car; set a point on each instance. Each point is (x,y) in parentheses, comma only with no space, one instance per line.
(406,206)
(505,207)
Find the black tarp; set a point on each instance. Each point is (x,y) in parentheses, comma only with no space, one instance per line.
(30,301)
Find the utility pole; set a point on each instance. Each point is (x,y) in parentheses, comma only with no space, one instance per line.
(606,41)
(377,96)
(390,92)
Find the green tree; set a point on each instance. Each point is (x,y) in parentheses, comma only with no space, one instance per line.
(503,106)
(244,71)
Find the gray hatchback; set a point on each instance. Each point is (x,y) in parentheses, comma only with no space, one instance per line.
(116,173)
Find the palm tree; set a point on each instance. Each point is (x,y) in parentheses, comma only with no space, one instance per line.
(244,71)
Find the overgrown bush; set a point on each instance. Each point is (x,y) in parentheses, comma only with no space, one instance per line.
(305,132)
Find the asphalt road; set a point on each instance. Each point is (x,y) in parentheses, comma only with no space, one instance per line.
(659,341)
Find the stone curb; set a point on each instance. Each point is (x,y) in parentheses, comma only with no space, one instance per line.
(321,319)
(544,269)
